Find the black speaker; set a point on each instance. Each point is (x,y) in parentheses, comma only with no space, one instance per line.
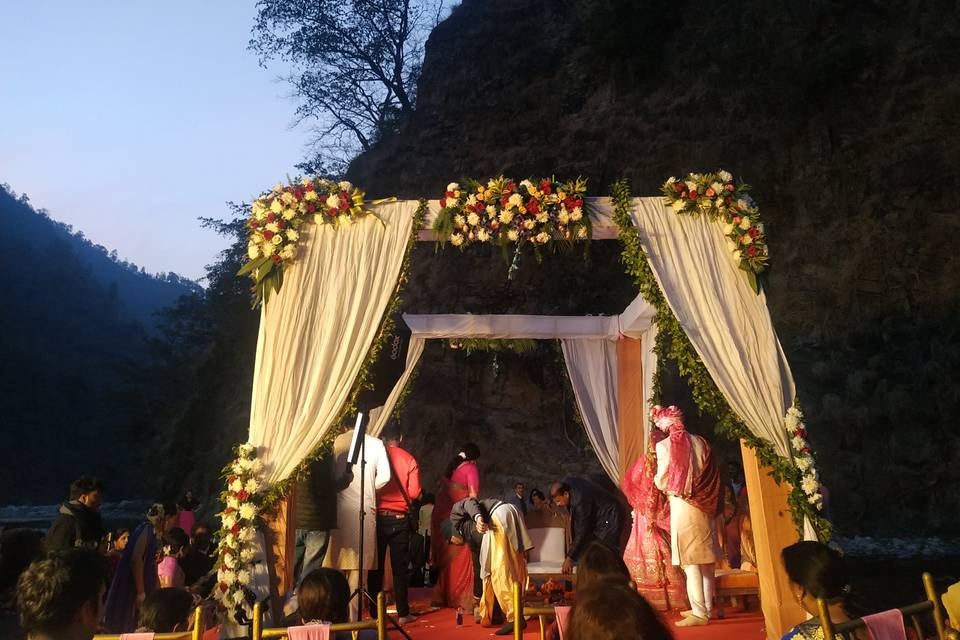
(389,366)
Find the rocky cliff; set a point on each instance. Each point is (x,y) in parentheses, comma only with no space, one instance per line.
(842,115)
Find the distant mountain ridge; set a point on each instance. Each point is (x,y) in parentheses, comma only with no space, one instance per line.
(78,326)
(141,293)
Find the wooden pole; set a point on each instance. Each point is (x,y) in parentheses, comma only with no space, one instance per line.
(773,529)
(631,403)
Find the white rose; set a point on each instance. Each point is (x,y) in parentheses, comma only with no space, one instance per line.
(691,185)
(292,235)
(725,176)
(483,235)
(728,229)
(529,224)
(543,216)
(333,202)
(276,206)
(456,239)
(576,214)
(345,186)
(506,216)
(473,219)
(543,237)
(247,511)
(277,239)
(243,577)
(513,234)
(253,251)
(453,186)
(745,223)
(515,200)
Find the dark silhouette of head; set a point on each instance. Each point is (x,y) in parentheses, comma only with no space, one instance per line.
(323,596)
(166,610)
(61,596)
(599,565)
(613,611)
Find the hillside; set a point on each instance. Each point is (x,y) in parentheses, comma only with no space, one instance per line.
(74,339)
(844,118)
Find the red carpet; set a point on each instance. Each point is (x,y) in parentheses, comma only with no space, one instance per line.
(441,624)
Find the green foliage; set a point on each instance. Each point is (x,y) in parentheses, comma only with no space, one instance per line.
(469,345)
(673,343)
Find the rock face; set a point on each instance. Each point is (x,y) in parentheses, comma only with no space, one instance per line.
(844,118)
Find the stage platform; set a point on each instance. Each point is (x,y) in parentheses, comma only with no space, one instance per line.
(440,624)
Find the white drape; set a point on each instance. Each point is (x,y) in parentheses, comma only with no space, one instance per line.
(380,415)
(452,325)
(592,367)
(728,324)
(316,332)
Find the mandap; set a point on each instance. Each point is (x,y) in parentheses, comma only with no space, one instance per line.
(328,267)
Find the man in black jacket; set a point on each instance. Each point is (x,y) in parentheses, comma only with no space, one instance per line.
(78,523)
(315,513)
(595,514)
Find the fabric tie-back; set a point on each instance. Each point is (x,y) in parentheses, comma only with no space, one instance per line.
(316,332)
(592,367)
(727,322)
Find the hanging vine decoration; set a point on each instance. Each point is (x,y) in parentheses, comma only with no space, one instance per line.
(672,342)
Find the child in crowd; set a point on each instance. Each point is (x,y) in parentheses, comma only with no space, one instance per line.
(324,596)
(167,610)
(175,544)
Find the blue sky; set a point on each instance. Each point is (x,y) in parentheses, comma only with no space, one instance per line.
(129,119)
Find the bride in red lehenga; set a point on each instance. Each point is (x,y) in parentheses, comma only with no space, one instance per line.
(648,551)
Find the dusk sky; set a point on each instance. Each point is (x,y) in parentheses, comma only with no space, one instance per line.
(129,119)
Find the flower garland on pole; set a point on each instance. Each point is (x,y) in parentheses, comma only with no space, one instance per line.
(275,222)
(504,212)
(717,196)
(238,532)
(802,458)
(672,342)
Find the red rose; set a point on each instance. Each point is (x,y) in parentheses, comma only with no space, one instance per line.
(736,219)
(282,224)
(443,203)
(287,189)
(494,225)
(269,236)
(752,251)
(728,187)
(298,193)
(271,217)
(754,232)
(311,207)
(254,224)
(727,199)
(805,450)
(578,202)
(710,192)
(504,200)
(533,206)
(344,204)
(692,195)
(230,479)
(511,186)
(679,187)
(546,187)
(569,202)
(276,259)
(310,187)
(450,194)
(235,529)
(243,495)
(223,587)
(332,212)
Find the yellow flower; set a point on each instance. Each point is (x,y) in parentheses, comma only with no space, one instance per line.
(276,206)
(310,195)
(561,195)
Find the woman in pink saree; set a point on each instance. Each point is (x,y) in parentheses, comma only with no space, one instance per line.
(647,554)
(457,584)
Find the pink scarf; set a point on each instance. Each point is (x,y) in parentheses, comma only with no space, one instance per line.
(311,631)
(887,625)
(679,466)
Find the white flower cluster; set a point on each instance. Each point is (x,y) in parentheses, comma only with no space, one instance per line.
(238,533)
(810,481)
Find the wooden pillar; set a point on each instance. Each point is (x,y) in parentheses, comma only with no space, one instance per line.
(632,404)
(280,539)
(773,529)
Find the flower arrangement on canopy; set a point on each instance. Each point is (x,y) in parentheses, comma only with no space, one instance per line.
(723,200)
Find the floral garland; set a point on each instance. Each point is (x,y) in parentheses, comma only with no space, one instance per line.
(802,457)
(238,532)
(672,342)
(276,218)
(717,196)
(504,212)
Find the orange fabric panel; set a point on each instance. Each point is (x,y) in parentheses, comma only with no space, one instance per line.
(632,404)
(280,534)
(773,529)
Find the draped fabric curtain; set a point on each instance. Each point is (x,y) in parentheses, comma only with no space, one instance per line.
(592,367)
(727,322)
(380,415)
(316,332)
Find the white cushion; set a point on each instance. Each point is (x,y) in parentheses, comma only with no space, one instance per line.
(549,546)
